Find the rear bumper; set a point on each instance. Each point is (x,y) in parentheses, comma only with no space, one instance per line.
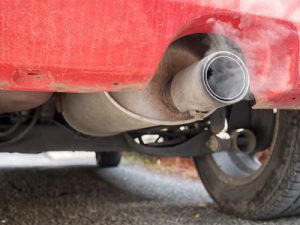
(92,46)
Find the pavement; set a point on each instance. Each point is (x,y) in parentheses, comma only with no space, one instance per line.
(67,189)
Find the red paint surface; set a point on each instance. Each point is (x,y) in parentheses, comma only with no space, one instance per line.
(106,45)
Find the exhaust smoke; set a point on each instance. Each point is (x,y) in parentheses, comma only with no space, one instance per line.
(225,77)
(218,80)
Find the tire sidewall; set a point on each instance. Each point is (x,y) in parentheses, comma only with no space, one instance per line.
(252,199)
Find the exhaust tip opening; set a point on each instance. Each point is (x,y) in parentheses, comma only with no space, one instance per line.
(243,141)
(226,77)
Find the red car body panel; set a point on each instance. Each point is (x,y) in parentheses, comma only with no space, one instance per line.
(105,45)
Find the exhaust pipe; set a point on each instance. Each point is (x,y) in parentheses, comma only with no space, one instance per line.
(218,80)
(243,141)
(239,141)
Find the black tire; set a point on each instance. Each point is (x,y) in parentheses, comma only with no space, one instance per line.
(273,190)
(108,159)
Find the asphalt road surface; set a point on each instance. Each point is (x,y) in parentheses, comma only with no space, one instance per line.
(40,190)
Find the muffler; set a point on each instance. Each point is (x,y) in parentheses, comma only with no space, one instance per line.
(199,88)
(218,80)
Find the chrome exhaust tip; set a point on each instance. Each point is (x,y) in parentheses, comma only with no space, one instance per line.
(218,80)
(226,77)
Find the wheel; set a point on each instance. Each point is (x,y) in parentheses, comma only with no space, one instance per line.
(108,159)
(256,187)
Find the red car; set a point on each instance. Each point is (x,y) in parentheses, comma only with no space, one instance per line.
(211,79)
